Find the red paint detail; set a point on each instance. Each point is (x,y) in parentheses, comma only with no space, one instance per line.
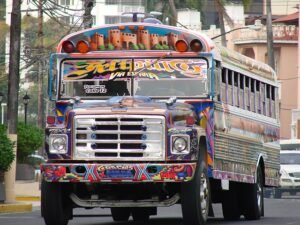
(190,120)
(51,120)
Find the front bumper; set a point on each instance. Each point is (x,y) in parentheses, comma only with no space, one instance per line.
(118,172)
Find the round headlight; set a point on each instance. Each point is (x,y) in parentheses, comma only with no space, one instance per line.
(180,144)
(59,143)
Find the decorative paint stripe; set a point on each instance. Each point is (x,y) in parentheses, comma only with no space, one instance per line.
(136,172)
(217,174)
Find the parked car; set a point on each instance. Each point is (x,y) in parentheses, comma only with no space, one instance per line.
(289,169)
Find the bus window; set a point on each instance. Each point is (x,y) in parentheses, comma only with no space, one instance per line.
(235,89)
(268,102)
(257,97)
(242,91)
(273,108)
(252,95)
(247,93)
(263,98)
(229,88)
(224,84)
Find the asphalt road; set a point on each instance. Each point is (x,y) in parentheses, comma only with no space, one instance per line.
(285,211)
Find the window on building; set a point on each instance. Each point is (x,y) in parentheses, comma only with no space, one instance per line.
(112,19)
(124,2)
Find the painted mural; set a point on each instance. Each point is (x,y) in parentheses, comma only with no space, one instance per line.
(118,173)
(132,37)
(140,68)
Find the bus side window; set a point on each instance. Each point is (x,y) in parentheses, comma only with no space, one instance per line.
(252,94)
(263,98)
(242,92)
(224,86)
(268,101)
(247,93)
(273,108)
(235,89)
(257,97)
(218,82)
(230,88)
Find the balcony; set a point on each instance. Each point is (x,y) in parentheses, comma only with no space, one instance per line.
(282,34)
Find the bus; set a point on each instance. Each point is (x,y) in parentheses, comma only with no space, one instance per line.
(144,115)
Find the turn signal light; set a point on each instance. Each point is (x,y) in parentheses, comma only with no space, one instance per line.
(68,46)
(181,46)
(51,120)
(190,120)
(83,46)
(196,45)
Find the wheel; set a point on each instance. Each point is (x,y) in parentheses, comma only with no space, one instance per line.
(140,214)
(195,197)
(55,205)
(230,203)
(278,193)
(120,214)
(254,198)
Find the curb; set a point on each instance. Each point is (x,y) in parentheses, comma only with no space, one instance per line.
(15,207)
(28,198)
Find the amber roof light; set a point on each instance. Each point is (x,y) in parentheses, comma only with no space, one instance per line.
(82,46)
(181,46)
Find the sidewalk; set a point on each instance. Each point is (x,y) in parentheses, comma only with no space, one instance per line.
(27,197)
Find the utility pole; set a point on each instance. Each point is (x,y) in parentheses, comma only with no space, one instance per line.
(40,66)
(271,60)
(87,16)
(13,90)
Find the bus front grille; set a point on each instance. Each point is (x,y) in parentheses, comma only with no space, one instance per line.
(119,137)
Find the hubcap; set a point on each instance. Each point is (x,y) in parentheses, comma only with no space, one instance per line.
(204,195)
(259,192)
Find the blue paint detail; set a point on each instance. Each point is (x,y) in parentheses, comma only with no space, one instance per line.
(119,173)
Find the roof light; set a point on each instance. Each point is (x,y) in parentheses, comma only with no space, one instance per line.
(68,46)
(181,46)
(196,45)
(83,46)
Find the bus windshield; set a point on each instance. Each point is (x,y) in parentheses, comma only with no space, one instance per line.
(181,77)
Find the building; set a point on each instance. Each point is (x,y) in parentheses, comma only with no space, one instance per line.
(110,11)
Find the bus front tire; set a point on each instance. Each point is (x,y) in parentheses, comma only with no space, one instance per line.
(195,197)
(140,214)
(230,203)
(120,214)
(56,206)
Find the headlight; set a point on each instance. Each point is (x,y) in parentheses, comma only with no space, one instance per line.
(180,144)
(58,144)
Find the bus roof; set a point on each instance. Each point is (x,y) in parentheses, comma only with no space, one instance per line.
(233,58)
(132,36)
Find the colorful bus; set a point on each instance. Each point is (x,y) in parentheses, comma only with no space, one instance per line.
(146,115)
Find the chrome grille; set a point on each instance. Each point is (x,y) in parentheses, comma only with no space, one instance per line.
(119,137)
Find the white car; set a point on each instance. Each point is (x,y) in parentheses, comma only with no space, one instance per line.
(290,173)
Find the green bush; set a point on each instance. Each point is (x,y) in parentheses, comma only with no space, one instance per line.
(6,150)
(30,138)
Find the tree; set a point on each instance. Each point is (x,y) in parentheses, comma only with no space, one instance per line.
(222,14)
